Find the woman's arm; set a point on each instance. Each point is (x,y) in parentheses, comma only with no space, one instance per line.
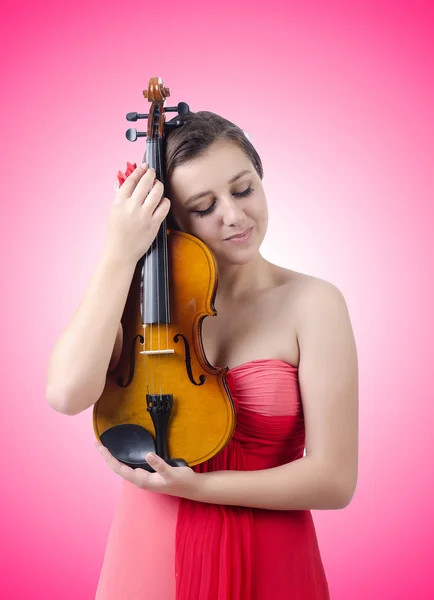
(328,377)
(92,341)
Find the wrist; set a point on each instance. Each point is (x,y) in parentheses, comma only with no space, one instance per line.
(115,260)
(192,487)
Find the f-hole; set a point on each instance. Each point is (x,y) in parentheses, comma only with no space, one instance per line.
(202,378)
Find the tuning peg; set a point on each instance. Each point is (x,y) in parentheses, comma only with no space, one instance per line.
(133,116)
(181,109)
(173,124)
(132,134)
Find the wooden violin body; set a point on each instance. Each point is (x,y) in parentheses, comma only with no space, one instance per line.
(164,395)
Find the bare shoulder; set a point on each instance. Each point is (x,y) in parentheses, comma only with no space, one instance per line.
(316,294)
(310,299)
(306,290)
(322,319)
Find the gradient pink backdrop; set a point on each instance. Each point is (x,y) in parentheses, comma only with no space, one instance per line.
(338,99)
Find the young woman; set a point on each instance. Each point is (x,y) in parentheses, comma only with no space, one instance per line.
(238,527)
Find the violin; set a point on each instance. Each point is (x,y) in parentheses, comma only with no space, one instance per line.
(164,396)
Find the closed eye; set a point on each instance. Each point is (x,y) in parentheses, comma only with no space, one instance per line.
(207,211)
(246,192)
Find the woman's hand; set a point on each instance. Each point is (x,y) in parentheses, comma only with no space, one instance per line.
(137,212)
(173,481)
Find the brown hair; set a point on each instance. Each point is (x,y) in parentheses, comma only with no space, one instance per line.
(199,131)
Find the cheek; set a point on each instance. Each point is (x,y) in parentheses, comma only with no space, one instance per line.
(191,224)
(203,228)
(259,210)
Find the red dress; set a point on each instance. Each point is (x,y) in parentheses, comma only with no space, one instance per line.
(175,549)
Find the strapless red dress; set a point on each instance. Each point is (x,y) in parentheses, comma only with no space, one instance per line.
(166,548)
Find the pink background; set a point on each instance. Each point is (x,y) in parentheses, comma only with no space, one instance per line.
(338,99)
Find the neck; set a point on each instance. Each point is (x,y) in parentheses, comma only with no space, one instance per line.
(236,281)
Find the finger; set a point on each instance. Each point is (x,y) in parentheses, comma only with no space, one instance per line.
(153,199)
(108,456)
(144,187)
(159,465)
(118,467)
(138,477)
(162,209)
(130,183)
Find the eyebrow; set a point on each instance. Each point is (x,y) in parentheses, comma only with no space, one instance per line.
(197,196)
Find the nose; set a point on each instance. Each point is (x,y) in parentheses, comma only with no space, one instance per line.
(232,215)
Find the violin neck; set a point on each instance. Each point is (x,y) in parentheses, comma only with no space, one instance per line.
(155,297)
(155,152)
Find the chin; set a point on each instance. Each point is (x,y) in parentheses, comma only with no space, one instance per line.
(237,258)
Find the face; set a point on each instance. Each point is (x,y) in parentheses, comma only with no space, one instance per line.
(217,196)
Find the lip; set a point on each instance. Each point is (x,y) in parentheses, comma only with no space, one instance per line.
(244,235)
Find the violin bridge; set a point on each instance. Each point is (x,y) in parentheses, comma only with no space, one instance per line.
(168,351)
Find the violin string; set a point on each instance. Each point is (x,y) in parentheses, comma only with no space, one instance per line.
(152,156)
(158,165)
(146,288)
(144,304)
(143,300)
(147,292)
(166,288)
